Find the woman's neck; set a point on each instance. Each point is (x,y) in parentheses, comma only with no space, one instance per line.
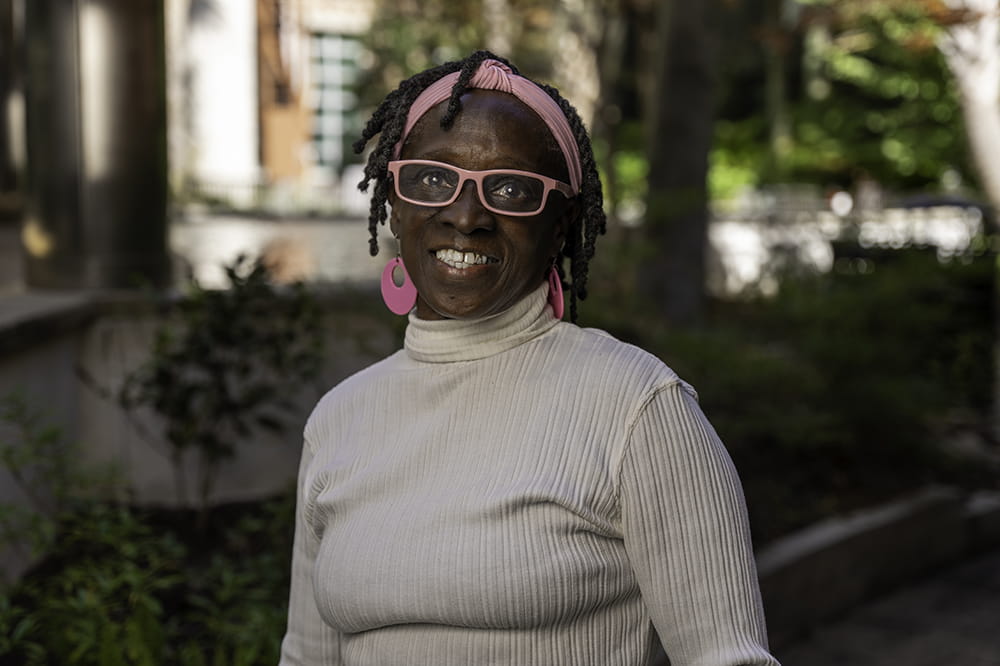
(449,340)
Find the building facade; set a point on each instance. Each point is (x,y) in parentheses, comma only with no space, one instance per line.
(262,110)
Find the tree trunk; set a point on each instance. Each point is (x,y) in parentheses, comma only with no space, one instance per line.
(775,45)
(500,35)
(972,51)
(608,114)
(982,127)
(680,121)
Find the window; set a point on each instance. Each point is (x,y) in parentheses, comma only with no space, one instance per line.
(334,66)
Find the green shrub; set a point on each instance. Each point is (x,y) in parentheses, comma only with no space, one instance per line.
(225,363)
(124,586)
(97,600)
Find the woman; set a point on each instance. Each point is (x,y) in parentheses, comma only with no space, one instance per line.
(509,488)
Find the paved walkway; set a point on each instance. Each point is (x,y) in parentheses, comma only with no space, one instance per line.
(951,619)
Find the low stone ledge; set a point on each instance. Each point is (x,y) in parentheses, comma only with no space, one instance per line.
(32,317)
(832,566)
(29,318)
(982,521)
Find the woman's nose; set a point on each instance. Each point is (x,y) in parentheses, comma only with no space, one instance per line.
(467,213)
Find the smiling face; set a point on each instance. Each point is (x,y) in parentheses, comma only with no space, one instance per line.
(467,261)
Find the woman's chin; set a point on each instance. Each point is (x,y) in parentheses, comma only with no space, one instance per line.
(459,308)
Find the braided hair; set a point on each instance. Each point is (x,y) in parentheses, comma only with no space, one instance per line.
(390,117)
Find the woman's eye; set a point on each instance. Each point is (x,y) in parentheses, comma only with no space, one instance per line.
(434,178)
(511,189)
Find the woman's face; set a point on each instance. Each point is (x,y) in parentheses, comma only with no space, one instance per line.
(494,130)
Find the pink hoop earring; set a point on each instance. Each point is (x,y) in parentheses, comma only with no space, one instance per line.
(556,294)
(399,299)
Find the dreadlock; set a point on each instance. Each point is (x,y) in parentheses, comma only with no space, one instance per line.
(390,117)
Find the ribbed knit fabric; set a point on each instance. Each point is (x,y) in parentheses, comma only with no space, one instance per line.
(518,490)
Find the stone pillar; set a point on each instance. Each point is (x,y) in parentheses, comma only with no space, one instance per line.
(96,190)
(11,109)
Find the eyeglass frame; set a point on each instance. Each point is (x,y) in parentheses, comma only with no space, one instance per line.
(478,177)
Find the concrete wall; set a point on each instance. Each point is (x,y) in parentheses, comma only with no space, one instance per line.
(43,375)
(118,342)
(68,355)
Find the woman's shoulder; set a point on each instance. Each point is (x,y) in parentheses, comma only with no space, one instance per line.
(355,390)
(595,352)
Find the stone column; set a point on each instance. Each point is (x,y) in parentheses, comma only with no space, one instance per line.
(96,190)
(11,110)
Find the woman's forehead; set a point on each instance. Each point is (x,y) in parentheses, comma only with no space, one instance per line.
(491,127)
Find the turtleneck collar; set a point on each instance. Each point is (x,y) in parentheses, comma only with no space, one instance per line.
(446,340)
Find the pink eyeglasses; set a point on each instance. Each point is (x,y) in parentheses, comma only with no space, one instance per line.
(503,191)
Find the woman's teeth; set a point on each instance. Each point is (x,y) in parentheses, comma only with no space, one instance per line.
(457,259)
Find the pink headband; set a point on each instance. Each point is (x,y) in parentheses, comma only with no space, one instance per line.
(494,75)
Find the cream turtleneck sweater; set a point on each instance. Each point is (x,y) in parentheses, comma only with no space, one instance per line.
(518,490)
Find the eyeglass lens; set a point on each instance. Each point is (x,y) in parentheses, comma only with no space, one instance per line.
(437,184)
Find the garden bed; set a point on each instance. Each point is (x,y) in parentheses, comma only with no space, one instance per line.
(154,586)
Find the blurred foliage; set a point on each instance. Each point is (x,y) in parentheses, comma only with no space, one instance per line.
(630,167)
(881,100)
(866,93)
(845,389)
(96,603)
(407,37)
(738,159)
(404,40)
(227,363)
(144,588)
(863,90)
(46,470)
